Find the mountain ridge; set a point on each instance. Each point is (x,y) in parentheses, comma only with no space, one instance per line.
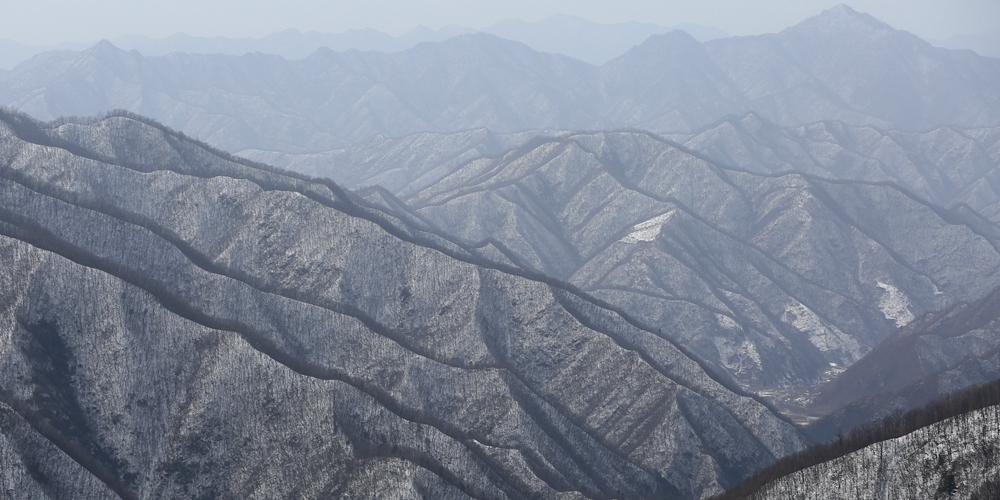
(331,99)
(474,221)
(949,426)
(282,322)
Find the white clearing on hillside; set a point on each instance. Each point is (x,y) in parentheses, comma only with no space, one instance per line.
(726,322)
(825,337)
(649,230)
(739,356)
(894,305)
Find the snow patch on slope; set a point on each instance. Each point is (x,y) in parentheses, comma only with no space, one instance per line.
(825,337)
(895,305)
(648,230)
(739,356)
(727,322)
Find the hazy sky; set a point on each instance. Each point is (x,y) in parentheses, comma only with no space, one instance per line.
(51,21)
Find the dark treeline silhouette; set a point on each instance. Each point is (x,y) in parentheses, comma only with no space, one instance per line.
(891,427)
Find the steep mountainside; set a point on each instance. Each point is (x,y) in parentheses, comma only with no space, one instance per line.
(956,458)
(669,83)
(947,166)
(778,280)
(404,165)
(181,324)
(935,355)
(952,167)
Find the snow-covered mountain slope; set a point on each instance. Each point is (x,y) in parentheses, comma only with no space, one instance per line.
(772,278)
(956,458)
(402,165)
(938,354)
(948,166)
(945,449)
(182,324)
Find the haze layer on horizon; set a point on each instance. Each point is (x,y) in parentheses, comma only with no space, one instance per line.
(44,22)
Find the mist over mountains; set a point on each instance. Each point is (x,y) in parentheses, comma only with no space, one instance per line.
(669,83)
(572,36)
(480,268)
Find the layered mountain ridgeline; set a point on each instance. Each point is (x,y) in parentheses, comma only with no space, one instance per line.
(948,166)
(947,449)
(586,40)
(329,99)
(839,65)
(573,36)
(935,355)
(402,166)
(182,323)
(778,280)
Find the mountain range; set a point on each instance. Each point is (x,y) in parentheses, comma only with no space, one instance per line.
(473,269)
(777,279)
(272,324)
(572,36)
(670,83)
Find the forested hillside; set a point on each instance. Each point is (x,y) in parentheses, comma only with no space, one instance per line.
(184,324)
(946,449)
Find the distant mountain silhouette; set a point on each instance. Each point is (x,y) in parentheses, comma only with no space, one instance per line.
(839,65)
(985,44)
(475,268)
(561,34)
(586,40)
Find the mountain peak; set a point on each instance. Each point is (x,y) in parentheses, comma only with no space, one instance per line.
(668,44)
(671,38)
(105,46)
(841,19)
(843,10)
(105,50)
